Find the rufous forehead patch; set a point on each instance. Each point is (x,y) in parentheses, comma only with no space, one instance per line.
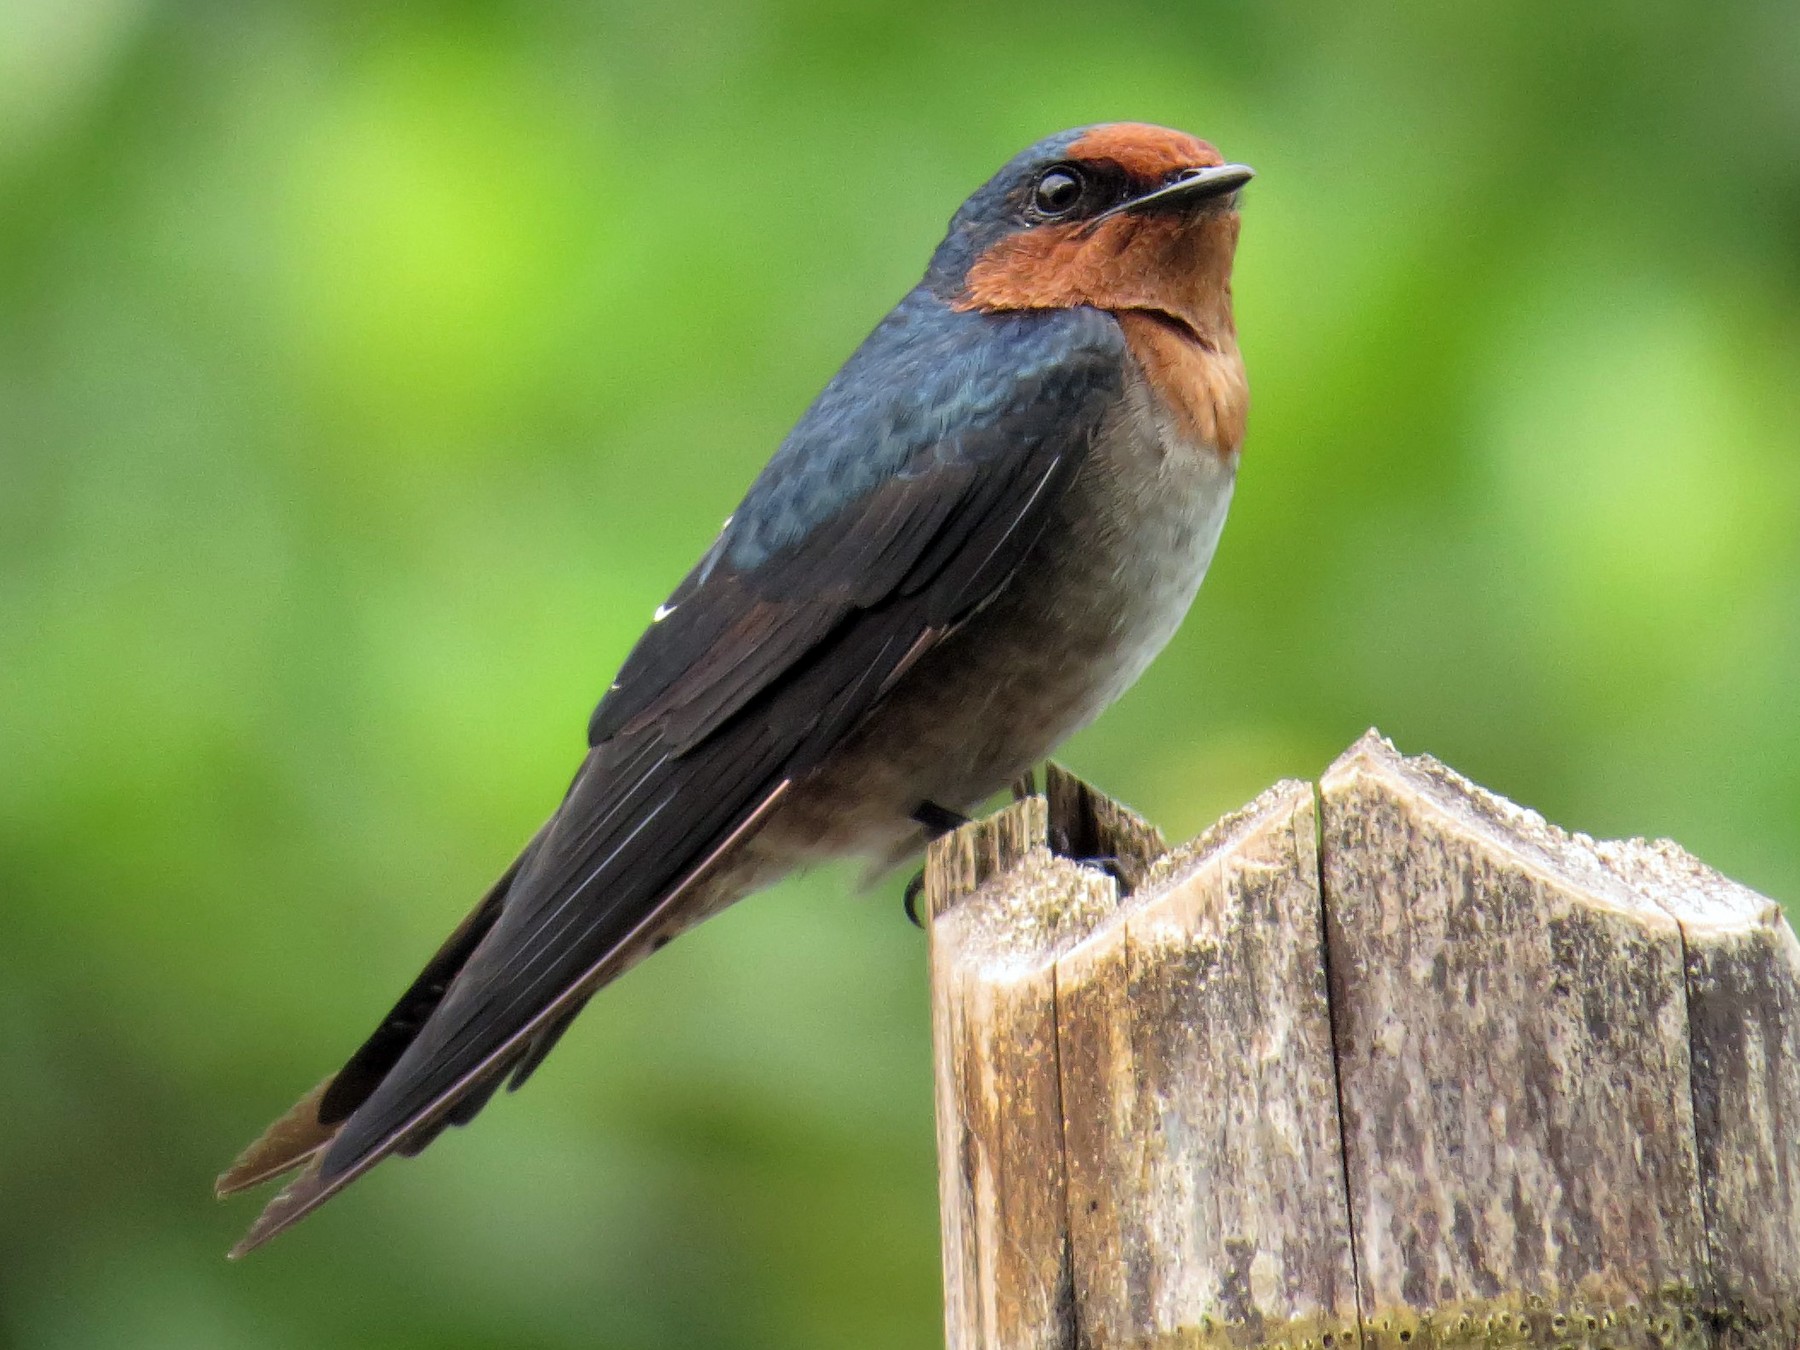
(1145,151)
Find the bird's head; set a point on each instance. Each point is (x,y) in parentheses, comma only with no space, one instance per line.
(1122,217)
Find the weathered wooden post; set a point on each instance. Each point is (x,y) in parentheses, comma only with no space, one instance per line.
(1384,1064)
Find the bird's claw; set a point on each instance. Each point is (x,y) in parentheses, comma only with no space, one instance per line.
(910,901)
(937,821)
(1108,864)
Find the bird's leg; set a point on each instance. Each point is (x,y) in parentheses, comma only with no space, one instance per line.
(1025,785)
(1076,832)
(937,822)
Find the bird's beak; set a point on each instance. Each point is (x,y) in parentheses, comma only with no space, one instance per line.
(1191,188)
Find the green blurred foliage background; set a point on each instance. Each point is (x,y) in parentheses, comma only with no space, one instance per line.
(368,374)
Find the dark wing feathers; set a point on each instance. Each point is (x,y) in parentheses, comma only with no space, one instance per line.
(765,658)
(378,1055)
(312,1122)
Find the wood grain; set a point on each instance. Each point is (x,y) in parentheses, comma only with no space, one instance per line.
(995,938)
(1391,1066)
(1743,1001)
(1200,1105)
(1511,1036)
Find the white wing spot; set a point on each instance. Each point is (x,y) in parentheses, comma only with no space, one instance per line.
(662,612)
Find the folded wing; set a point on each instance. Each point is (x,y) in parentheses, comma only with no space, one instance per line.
(812,602)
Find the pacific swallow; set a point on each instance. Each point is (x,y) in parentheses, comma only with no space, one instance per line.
(975,539)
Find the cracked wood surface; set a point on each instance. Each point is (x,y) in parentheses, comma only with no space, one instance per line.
(1392,1064)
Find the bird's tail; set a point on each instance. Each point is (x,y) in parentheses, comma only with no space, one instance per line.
(313,1122)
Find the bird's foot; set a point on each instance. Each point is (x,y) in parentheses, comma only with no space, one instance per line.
(1109,865)
(937,821)
(910,901)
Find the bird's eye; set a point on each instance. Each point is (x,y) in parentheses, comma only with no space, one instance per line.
(1057,192)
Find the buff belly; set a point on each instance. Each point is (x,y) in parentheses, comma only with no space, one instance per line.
(1101,593)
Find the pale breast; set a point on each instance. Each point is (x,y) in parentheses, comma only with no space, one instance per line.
(1101,593)
(1142,523)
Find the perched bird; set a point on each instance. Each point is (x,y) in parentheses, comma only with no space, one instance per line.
(975,539)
